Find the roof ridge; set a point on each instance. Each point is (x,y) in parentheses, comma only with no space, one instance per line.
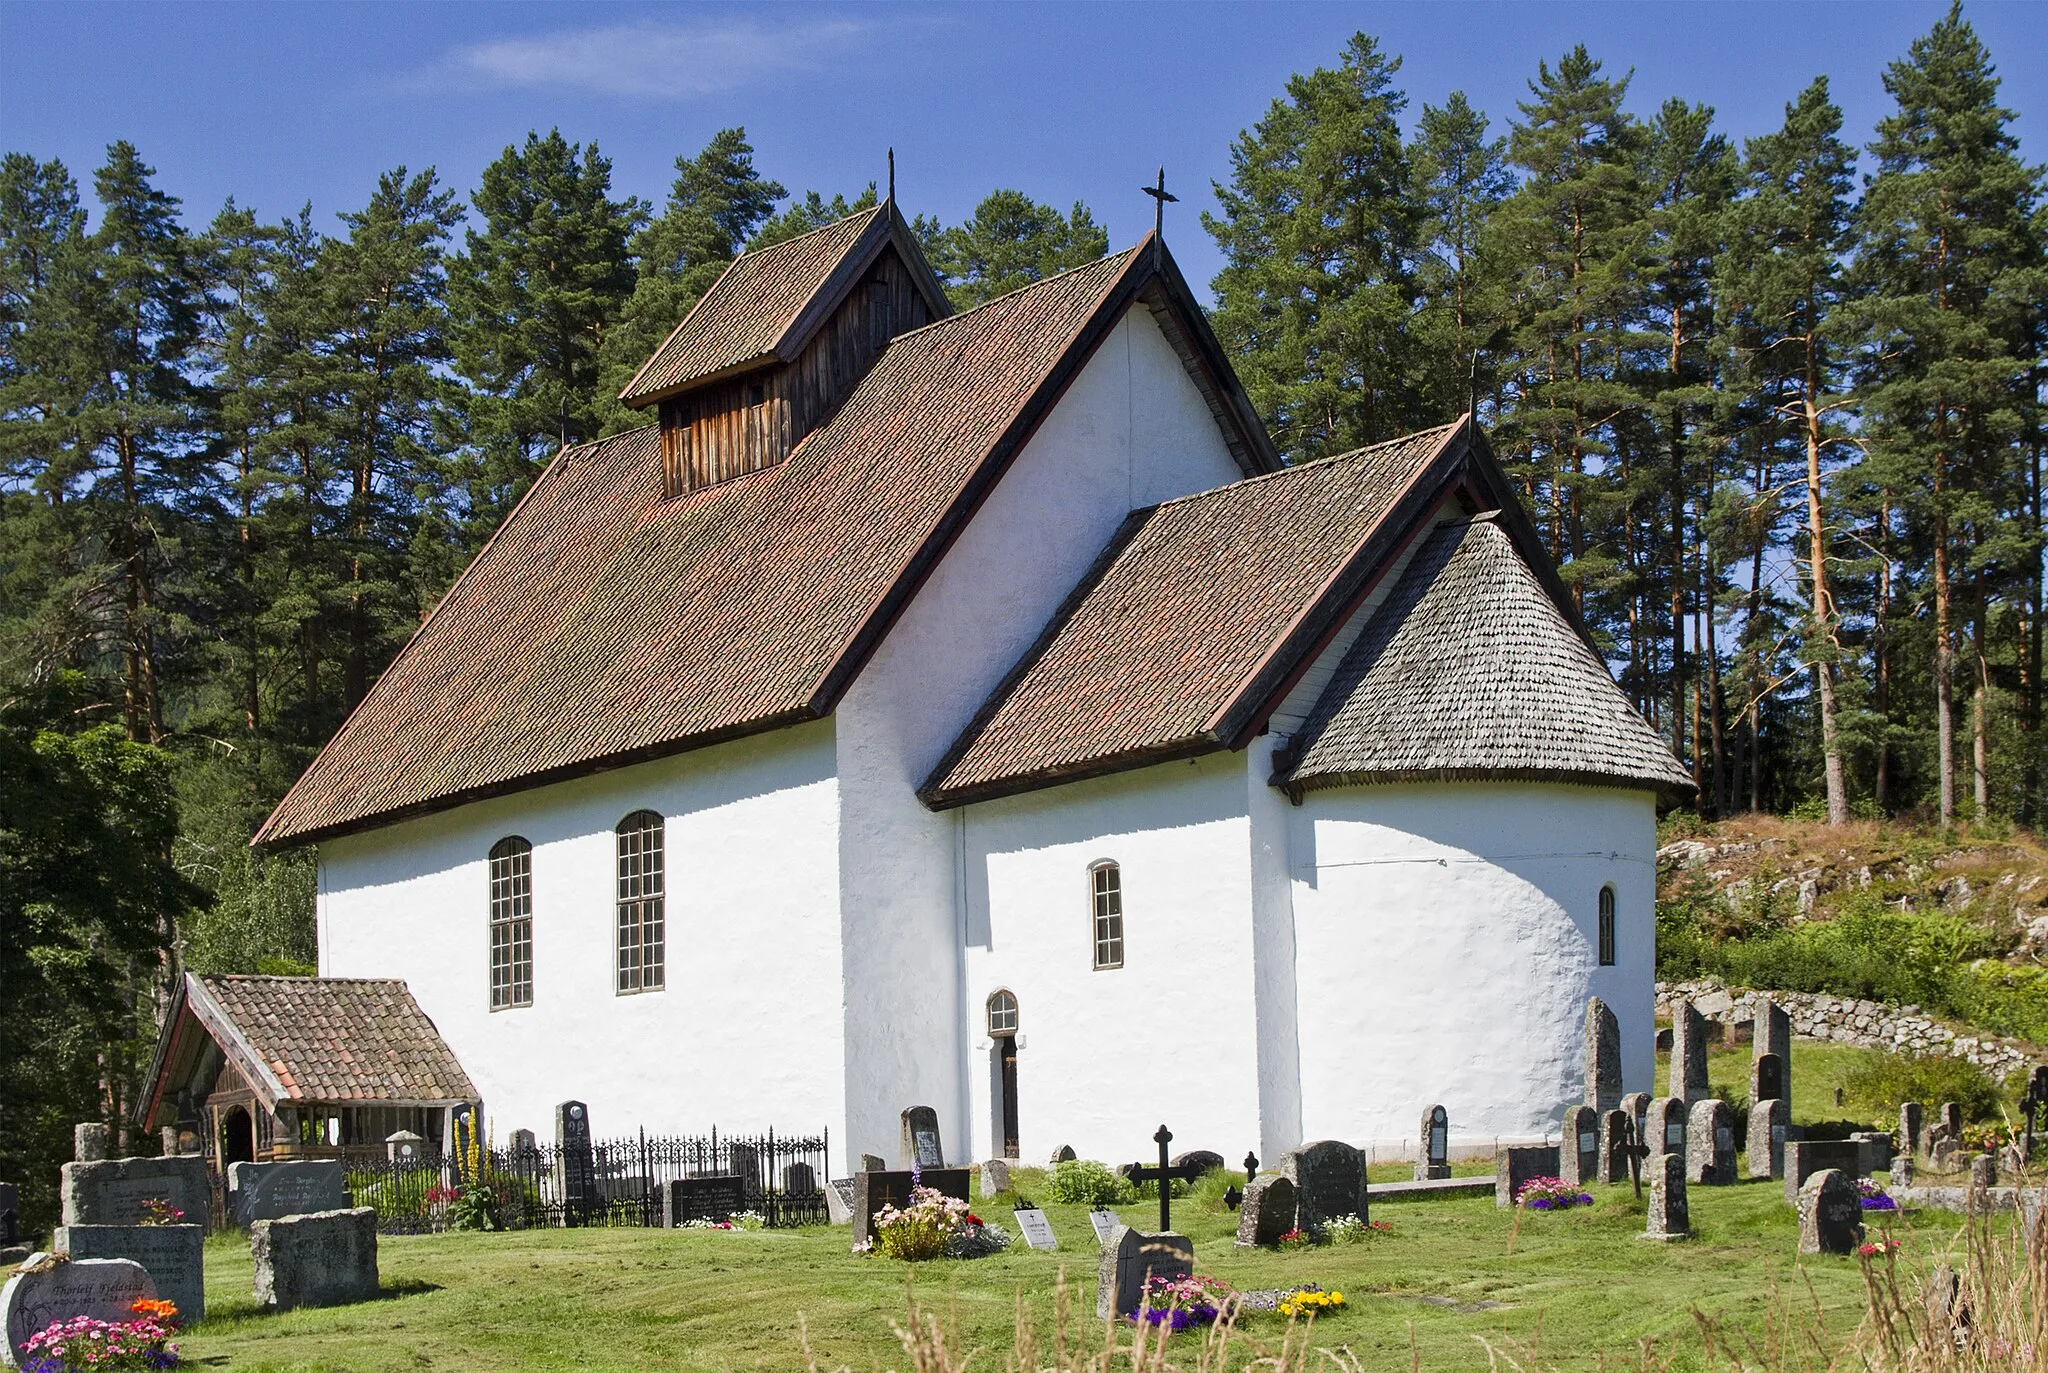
(1010,295)
(1310,466)
(847,218)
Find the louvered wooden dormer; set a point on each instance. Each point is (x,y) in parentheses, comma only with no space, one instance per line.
(778,341)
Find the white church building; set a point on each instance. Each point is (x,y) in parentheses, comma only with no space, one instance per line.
(970,710)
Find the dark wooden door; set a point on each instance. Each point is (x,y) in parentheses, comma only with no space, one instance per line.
(1006,1045)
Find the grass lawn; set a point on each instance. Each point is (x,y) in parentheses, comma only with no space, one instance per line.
(1578,1285)
(1817,1070)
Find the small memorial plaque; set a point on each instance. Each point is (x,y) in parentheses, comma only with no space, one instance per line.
(1777,1134)
(1105,1223)
(1724,1137)
(1439,1140)
(1589,1142)
(1674,1134)
(927,1146)
(1037,1229)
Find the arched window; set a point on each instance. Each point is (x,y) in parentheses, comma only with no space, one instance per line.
(511,923)
(640,902)
(1106,882)
(1607,927)
(1002,1014)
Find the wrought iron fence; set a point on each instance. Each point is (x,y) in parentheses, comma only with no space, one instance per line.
(618,1182)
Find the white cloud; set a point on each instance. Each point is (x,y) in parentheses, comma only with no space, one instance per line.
(672,61)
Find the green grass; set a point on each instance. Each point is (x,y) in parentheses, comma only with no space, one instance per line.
(1817,1070)
(1577,1286)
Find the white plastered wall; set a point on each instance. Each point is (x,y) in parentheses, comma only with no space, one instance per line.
(1132,430)
(745,1034)
(1104,1057)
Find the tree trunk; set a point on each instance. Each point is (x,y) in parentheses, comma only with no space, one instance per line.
(1944,712)
(1823,643)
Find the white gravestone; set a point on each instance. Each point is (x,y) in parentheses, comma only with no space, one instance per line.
(1036,1228)
(1105,1223)
(46,1289)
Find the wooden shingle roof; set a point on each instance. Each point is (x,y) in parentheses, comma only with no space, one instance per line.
(1469,670)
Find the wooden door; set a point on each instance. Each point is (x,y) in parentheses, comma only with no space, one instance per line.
(1006,1046)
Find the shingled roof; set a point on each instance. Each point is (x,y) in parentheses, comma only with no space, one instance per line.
(605,625)
(316,1039)
(1469,670)
(1197,611)
(769,301)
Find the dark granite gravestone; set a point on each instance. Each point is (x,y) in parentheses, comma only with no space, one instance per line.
(1329,1182)
(1877,1151)
(1688,1053)
(266,1191)
(1637,1104)
(523,1144)
(1664,1126)
(1830,1213)
(1950,1118)
(1578,1152)
(1710,1144)
(578,1166)
(1617,1141)
(42,1290)
(1767,1078)
(720,1196)
(1769,1124)
(1433,1150)
(1668,1217)
(1910,1127)
(799,1180)
(1515,1164)
(1266,1213)
(326,1259)
(118,1191)
(873,1191)
(172,1255)
(1984,1170)
(1805,1157)
(1771,1036)
(1603,1056)
(1129,1258)
(920,1144)
(1201,1160)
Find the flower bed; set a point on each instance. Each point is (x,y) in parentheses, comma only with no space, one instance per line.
(1352,1230)
(83,1343)
(1874,1197)
(1178,1303)
(1551,1194)
(738,1220)
(1309,1301)
(935,1226)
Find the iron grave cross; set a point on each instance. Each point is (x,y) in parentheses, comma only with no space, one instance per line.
(1164,1175)
(1160,195)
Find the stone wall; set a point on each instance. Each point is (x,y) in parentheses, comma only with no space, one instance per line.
(1847,1020)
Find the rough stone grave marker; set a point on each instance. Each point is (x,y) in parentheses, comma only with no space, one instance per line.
(578,1166)
(1830,1213)
(328,1258)
(920,1144)
(839,1201)
(1603,1056)
(1710,1144)
(1515,1164)
(1131,1257)
(1578,1153)
(1329,1182)
(1104,1222)
(1433,1157)
(1664,1126)
(1768,1125)
(1805,1157)
(89,1142)
(995,1177)
(873,1191)
(1266,1213)
(1688,1053)
(1950,1117)
(1984,1170)
(1771,1038)
(1617,1141)
(873,1163)
(1637,1104)
(1035,1228)
(1911,1115)
(1668,1217)
(720,1196)
(118,1191)
(44,1289)
(266,1191)
(1064,1154)
(172,1255)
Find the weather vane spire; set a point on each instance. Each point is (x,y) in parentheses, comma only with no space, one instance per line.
(892,174)
(1160,195)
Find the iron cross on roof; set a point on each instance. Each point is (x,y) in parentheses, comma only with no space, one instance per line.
(1165,1175)
(1160,195)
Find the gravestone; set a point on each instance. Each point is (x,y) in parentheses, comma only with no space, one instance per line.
(577,1171)
(1688,1053)
(1515,1164)
(403,1146)
(1433,1153)
(1875,1151)
(1637,1104)
(873,1191)
(920,1144)
(1910,1129)
(117,1191)
(89,1142)
(1771,1037)
(1768,1122)
(1329,1182)
(1767,1078)
(10,1214)
(799,1180)
(1603,1056)
(1944,1153)
(1984,1170)
(1950,1118)
(328,1258)
(720,1196)
(1036,1229)
(839,1201)
(1064,1154)
(266,1191)
(873,1163)
(172,1255)
(1578,1151)
(1104,1222)
(169,1145)
(1266,1213)
(1617,1141)
(1131,1257)
(995,1177)
(743,1161)
(524,1145)
(1830,1213)
(1805,1157)
(1201,1160)
(1668,1217)
(1710,1144)
(43,1290)
(1902,1170)
(1664,1126)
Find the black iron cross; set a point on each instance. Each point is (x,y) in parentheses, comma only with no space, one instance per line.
(1165,1175)
(1160,195)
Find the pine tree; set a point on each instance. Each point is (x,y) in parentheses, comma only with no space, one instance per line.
(1011,241)
(1461,178)
(1320,237)
(813,211)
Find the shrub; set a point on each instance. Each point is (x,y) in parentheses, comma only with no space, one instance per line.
(1084,1182)
(1881,1082)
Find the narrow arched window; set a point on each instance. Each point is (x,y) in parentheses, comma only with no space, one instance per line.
(1607,927)
(511,923)
(1002,1014)
(1106,882)
(640,902)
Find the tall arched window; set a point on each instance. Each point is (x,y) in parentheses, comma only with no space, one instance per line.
(511,923)
(1106,882)
(1607,927)
(1002,1014)
(640,902)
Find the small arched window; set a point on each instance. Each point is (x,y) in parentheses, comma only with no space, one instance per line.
(1607,927)
(641,891)
(1002,1014)
(511,923)
(1106,883)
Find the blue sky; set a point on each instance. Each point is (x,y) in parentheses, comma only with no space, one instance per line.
(278,104)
